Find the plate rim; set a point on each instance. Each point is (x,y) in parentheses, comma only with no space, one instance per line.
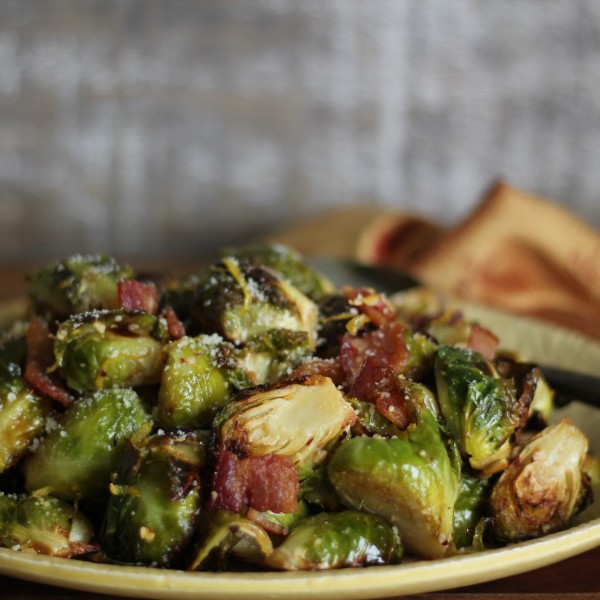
(419,576)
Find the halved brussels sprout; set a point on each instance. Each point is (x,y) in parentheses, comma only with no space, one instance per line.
(296,418)
(155,503)
(239,300)
(544,486)
(77,457)
(196,381)
(335,540)
(481,409)
(102,349)
(77,284)
(226,535)
(45,525)
(22,416)
(410,480)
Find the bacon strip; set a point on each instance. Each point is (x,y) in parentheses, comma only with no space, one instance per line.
(267,482)
(40,357)
(386,345)
(138,295)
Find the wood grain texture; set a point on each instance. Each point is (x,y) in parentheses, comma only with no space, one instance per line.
(167,127)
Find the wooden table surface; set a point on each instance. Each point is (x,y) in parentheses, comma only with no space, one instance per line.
(576,578)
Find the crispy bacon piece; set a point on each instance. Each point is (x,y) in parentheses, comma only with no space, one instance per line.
(327,368)
(40,357)
(483,341)
(175,327)
(229,484)
(135,294)
(378,384)
(372,304)
(386,345)
(267,482)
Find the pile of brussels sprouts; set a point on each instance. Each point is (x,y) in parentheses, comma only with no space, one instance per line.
(251,416)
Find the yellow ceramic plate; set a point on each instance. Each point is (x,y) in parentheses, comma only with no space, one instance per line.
(536,341)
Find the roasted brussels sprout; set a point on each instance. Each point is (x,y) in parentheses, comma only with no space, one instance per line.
(225,535)
(481,409)
(77,284)
(155,503)
(45,525)
(410,480)
(543,487)
(332,540)
(239,300)
(297,418)
(197,381)
(22,415)
(77,457)
(287,262)
(102,349)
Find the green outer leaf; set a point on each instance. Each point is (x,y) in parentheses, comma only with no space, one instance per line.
(193,386)
(469,508)
(152,513)
(481,410)
(333,540)
(77,458)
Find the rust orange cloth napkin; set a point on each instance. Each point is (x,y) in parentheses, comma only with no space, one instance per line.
(516,251)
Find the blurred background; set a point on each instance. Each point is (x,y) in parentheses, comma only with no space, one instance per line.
(164,128)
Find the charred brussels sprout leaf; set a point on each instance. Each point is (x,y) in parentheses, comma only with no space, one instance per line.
(77,458)
(543,487)
(239,300)
(22,416)
(334,540)
(532,388)
(153,508)
(98,350)
(196,381)
(45,525)
(411,481)
(77,284)
(481,410)
(289,264)
(298,418)
(226,535)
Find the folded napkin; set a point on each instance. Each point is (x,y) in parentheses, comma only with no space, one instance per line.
(516,251)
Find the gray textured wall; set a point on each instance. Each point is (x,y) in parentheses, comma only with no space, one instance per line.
(169,126)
